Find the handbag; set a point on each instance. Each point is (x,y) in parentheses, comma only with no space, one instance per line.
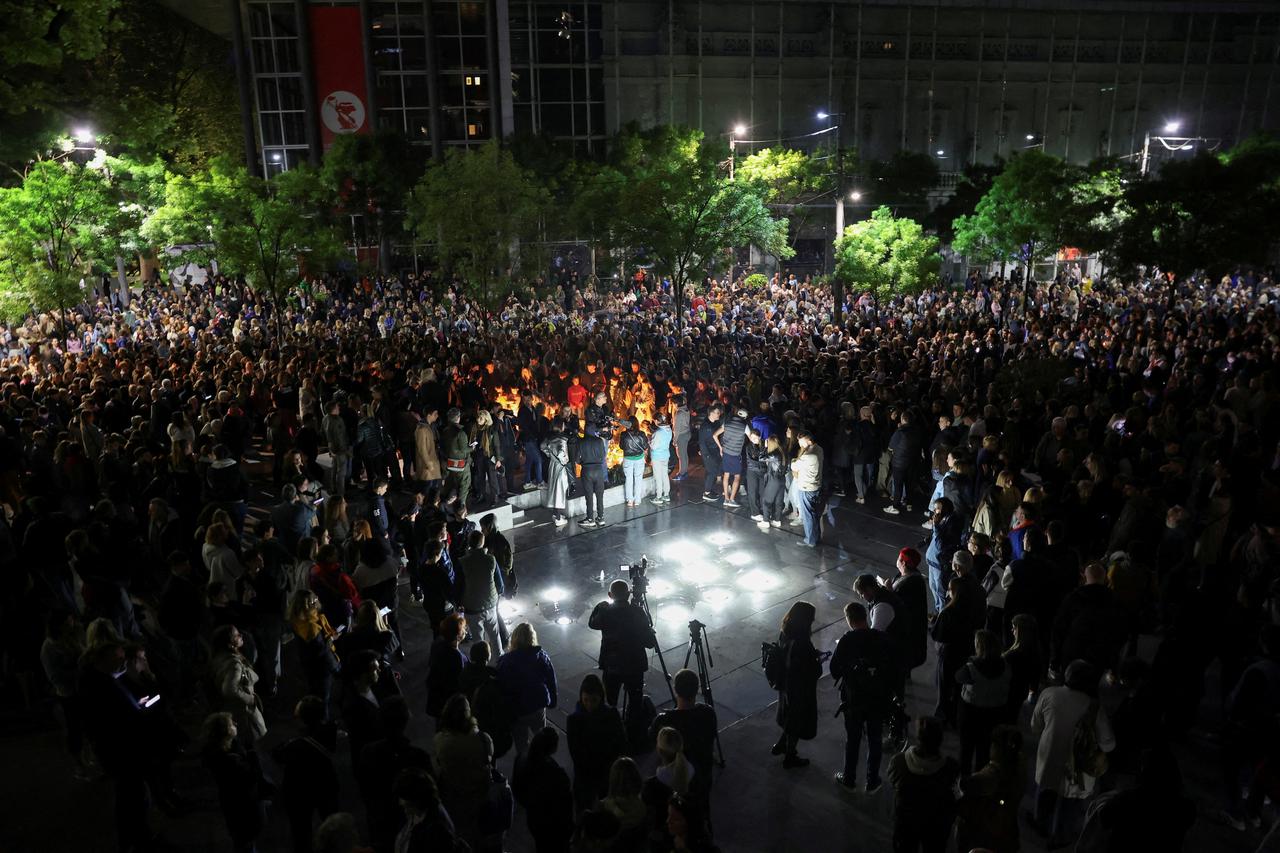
(497,812)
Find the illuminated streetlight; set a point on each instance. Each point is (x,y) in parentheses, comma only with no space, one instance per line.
(1030,137)
(1172,126)
(739,130)
(823,115)
(855,195)
(83,134)
(940,153)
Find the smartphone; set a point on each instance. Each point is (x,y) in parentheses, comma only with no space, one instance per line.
(148,701)
(317,502)
(1118,426)
(383,611)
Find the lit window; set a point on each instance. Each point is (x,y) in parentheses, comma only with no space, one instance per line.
(471,130)
(468,81)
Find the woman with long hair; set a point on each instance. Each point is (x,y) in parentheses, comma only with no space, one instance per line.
(775,482)
(315,645)
(463,756)
(984,693)
(377,576)
(798,695)
(445,664)
(335,521)
(234,679)
(952,634)
(1026,665)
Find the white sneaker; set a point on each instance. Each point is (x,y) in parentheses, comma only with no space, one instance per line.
(892,510)
(561,521)
(757,517)
(732,504)
(775,523)
(529,487)
(927,525)
(860,500)
(763,525)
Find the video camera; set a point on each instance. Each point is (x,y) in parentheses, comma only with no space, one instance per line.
(637,575)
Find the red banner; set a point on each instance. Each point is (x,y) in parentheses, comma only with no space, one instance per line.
(338,58)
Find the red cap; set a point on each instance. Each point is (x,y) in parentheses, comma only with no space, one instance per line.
(910,556)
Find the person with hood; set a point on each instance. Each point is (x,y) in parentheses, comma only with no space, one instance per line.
(596,738)
(528,682)
(540,784)
(984,695)
(924,805)
(1061,786)
(660,459)
(987,814)
(556,448)
(457,455)
(374,447)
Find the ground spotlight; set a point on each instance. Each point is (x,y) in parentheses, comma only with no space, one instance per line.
(563,620)
(508,609)
(758,580)
(660,588)
(720,539)
(682,551)
(698,573)
(674,613)
(555,594)
(717,597)
(737,558)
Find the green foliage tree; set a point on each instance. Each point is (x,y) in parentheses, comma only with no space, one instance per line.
(972,185)
(370,175)
(675,203)
(481,210)
(789,181)
(49,230)
(1022,213)
(40,39)
(887,255)
(265,230)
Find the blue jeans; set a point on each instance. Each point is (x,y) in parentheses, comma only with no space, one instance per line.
(633,479)
(898,486)
(532,462)
(937,586)
(809,517)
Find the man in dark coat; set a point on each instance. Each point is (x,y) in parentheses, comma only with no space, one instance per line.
(1089,626)
(865,665)
(625,636)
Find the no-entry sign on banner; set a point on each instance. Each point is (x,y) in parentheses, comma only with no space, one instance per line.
(339,71)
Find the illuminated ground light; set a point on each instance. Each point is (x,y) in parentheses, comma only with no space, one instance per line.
(508,609)
(682,551)
(700,573)
(717,597)
(758,580)
(563,620)
(737,558)
(555,594)
(720,539)
(674,613)
(660,588)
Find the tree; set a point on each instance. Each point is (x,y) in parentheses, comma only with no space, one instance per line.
(887,255)
(789,180)
(262,229)
(40,38)
(47,229)
(1095,212)
(972,185)
(1022,212)
(675,203)
(370,176)
(480,209)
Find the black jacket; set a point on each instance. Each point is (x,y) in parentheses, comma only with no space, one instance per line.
(634,443)
(864,662)
(624,637)
(591,452)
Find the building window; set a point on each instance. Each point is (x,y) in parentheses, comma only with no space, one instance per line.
(277,85)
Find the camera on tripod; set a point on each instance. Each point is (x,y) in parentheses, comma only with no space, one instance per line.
(637,574)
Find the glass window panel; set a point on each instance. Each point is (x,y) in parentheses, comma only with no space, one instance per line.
(478,91)
(450,53)
(552,48)
(268,99)
(411,22)
(595,46)
(579,119)
(474,22)
(451,91)
(445,18)
(417,122)
(475,53)
(291,93)
(477,124)
(413,53)
(391,120)
(287,55)
(452,127)
(283,22)
(264,61)
(389,91)
(595,88)
(259,21)
(597,120)
(386,53)
(295,128)
(553,84)
(271,132)
(524,120)
(579,84)
(519,47)
(593,16)
(556,119)
(521,86)
(415,91)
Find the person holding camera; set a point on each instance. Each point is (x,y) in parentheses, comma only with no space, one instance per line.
(625,637)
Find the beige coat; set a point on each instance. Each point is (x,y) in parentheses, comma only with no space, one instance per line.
(426,458)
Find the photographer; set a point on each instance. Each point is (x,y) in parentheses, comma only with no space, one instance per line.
(625,634)
(599,415)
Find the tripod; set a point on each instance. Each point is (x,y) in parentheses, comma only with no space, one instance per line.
(640,598)
(700,648)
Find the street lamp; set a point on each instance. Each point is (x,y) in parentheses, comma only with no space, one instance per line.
(837,297)
(1172,126)
(83,135)
(1180,143)
(855,196)
(738,130)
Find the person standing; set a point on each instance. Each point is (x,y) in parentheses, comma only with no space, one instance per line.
(634,446)
(242,791)
(680,430)
(542,787)
(556,448)
(948,528)
(528,683)
(592,456)
(309,784)
(984,694)
(806,468)
(798,696)
(753,454)
(482,584)
(730,439)
(457,455)
(775,482)
(596,739)
(924,805)
(339,441)
(904,455)
(660,459)
(709,447)
(426,452)
(625,637)
(911,588)
(864,453)
(497,545)
(864,666)
(315,637)
(530,440)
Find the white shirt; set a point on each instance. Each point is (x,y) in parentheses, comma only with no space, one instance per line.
(881,615)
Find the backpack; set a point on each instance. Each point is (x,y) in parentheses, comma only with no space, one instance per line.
(1086,756)
(866,685)
(773,657)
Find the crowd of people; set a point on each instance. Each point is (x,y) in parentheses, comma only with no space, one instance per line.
(210,500)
